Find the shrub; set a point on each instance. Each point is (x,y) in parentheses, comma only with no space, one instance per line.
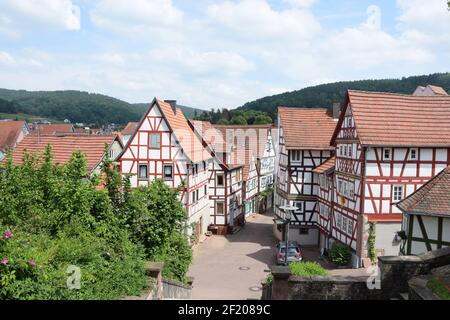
(52,217)
(340,254)
(309,268)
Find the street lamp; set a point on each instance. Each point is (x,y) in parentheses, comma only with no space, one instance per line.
(287,210)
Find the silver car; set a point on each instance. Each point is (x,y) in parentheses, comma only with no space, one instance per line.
(294,254)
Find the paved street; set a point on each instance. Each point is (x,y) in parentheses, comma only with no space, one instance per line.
(232,267)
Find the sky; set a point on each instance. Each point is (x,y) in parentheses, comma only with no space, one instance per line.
(216,53)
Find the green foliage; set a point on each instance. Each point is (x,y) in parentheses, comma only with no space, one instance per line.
(324,95)
(268,279)
(157,220)
(340,254)
(371,242)
(77,106)
(58,218)
(305,269)
(439,288)
(237,117)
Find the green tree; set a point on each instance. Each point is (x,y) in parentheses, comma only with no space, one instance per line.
(240,120)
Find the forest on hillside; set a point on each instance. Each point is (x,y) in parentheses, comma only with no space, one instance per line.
(77,106)
(324,95)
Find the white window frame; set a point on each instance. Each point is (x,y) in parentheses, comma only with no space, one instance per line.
(416,151)
(395,193)
(384,153)
(350,226)
(164,172)
(223,180)
(344,224)
(150,140)
(296,155)
(223,208)
(338,221)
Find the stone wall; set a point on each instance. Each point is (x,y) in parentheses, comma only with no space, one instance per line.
(330,288)
(396,271)
(393,277)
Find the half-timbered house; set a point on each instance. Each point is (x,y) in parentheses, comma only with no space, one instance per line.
(387,146)
(225,180)
(326,199)
(303,144)
(165,146)
(426,216)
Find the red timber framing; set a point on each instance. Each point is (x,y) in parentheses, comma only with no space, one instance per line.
(370,179)
(224,183)
(154,151)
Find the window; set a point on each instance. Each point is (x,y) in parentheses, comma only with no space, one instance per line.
(143,171)
(299,206)
(344,224)
(350,122)
(413,154)
(350,226)
(295,155)
(220,181)
(345,150)
(195,196)
(398,193)
(205,190)
(341,148)
(339,186)
(112,154)
(350,151)
(220,208)
(351,191)
(338,220)
(168,172)
(386,154)
(303,231)
(238,175)
(155,140)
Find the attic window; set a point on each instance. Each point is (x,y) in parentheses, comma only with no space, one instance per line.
(413,154)
(386,154)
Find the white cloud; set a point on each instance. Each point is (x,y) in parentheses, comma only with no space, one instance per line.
(300,3)
(255,19)
(137,17)
(17,17)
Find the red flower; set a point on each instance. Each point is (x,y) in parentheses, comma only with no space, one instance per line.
(7,235)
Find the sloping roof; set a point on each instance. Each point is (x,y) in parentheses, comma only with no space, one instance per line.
(130,128)
(9,133)
(55,128)
(307,128)
(400,120)
(433,198)
(327,165)
(191,144)
(92,146)
(210,135)
(433,90)
(438,90)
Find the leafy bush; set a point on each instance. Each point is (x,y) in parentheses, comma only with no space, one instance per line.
(309,268)
(340,254)
(157,220)
(52,217)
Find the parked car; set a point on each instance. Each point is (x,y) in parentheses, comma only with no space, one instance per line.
(294,253)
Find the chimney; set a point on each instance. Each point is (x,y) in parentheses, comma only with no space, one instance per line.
(336,110)
(173,104)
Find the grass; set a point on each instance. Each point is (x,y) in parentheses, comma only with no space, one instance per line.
(309,268)
(439,288)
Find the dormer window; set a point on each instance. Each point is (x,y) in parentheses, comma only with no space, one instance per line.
(386,154)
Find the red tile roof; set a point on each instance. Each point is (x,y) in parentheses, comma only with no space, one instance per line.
(9,133)
(188,140)
(389,119)
(438,90)
(55,128)
(130,128)
(327,165)
(433,198)
(307,128)
(92,146)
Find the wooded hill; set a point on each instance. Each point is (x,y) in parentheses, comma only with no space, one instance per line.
(324,95)
(77,106)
